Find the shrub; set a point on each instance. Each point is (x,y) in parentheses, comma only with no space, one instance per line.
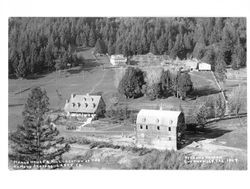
(119,113)
(201,115)
(237,100)
(153,91)
(220,106)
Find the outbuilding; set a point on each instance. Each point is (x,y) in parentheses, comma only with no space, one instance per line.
(118,59)
(159,129)
(204,66)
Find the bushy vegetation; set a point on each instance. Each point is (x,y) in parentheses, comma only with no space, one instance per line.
(176,160)
(211,108)
(120,113)
(37,44)
(237,99)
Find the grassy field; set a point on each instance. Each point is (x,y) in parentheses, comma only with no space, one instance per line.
(60,85)
(91,78)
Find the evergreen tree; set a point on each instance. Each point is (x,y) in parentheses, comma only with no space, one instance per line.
(111,49)
(131,83)
(100,47)
(92,38)
(153,48)
(166,83)
(21,70)
(220,68)
(185,85)
(239,57)
(36,139)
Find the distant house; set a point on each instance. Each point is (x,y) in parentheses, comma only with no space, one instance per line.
(118,60)
(159,129)
(204,66)
(85,105)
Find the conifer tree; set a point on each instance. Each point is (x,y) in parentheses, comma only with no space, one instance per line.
(220,68)
(36,139)
(92,38)
(21,70)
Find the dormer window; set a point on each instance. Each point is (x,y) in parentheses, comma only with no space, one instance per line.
(86,105)
(170,122)
(144,119)
(94,105)
(73,104)
(85,99)
(79,104)
(92,99)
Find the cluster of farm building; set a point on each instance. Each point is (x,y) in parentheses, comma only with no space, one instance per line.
(154,128)
(159,129)
(160,60)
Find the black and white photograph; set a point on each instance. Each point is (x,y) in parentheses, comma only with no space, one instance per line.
(124,94)
(127,93)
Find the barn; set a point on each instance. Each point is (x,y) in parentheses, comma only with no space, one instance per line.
(159,129)
(90,106)
(118,60)
(204,66)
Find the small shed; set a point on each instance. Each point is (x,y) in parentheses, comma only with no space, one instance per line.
(204,66)
(159,129)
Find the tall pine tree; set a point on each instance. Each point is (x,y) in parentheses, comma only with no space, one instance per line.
(36,139)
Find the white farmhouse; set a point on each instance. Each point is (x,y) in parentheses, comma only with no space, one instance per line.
(118,59)
(204,66)
(85,105)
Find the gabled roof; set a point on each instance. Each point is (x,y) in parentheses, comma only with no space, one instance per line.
(158,117)
(82,103)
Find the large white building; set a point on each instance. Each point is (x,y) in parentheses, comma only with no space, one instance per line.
(118,59)
(159,129)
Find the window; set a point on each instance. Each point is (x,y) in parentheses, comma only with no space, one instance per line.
(169,138)
(141,127)
(79,104)
(158,127)
(169,128)
(73,104)
(146,127)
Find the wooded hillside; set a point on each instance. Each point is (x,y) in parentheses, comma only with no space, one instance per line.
(39,45)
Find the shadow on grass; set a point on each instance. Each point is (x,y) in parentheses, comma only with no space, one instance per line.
(88,65)
(195,135)
(204,91)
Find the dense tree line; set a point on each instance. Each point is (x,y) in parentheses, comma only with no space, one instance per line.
(36,43)
(135,84)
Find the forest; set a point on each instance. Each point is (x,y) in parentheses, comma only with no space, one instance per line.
(41,45)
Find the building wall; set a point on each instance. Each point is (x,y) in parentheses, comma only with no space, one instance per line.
(152,137)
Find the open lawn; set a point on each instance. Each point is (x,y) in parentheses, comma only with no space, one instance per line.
(59,86)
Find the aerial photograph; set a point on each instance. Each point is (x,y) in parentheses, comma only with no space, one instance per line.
(127,93)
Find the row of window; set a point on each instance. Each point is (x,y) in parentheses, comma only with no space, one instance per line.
(79,104)
(157,127)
